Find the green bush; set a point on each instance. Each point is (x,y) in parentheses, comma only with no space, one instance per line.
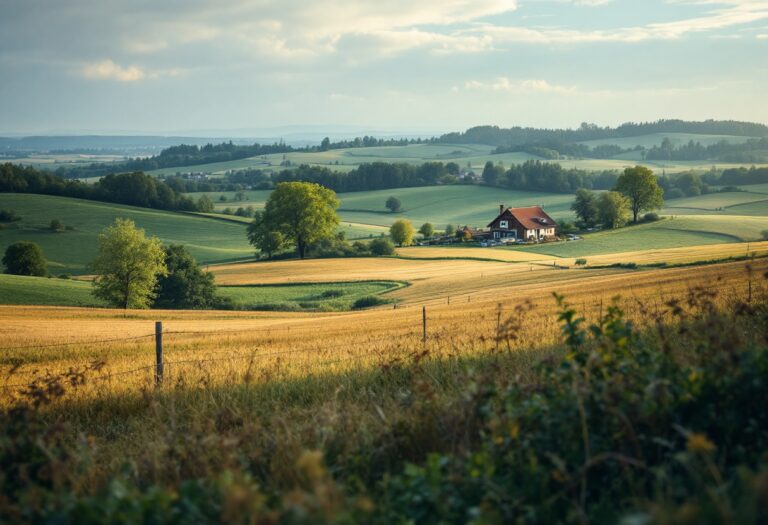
(580,262)
(651,217)
(328,294)
(9,216)
(368,301)
(382,246)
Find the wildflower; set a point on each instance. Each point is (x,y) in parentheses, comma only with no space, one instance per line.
(699,443)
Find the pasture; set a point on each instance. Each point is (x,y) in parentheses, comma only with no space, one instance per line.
(209,240)
(469,156)
(19,289)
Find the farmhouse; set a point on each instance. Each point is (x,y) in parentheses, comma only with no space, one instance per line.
(530,223)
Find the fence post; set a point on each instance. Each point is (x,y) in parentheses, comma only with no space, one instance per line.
(449,299)
(424,324)
(158,353)
(498,327)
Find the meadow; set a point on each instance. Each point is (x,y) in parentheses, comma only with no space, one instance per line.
(209,240)
(471,156)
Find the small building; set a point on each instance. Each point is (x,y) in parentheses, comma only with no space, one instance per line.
(527,224)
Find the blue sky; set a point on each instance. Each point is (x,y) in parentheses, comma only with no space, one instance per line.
(237,66)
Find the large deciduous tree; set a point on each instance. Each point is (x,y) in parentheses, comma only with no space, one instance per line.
(25,258)
(302,213)
(612,209)
(393,204)
(427,230)
(402,232)
(127,265)
(639,185)
(186,285)
(585,206)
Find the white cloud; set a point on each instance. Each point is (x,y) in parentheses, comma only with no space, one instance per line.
(520,86)
(762,36)
(591,3)
(108,70)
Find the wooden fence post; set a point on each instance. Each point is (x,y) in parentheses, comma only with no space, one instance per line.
(424,324)
(498,327)
(158,353)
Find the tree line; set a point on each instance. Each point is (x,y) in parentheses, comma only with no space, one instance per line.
(134,189)
(752,150)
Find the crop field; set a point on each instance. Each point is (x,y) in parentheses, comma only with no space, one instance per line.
(752,201)
(322,343)
(654,139)
(69,159)
(19,289)
(209,240)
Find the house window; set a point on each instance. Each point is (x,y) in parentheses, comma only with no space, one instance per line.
(503,224)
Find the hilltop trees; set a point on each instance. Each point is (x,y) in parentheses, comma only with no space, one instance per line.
(185,285)
(402,232)
(639,185)
(25,258)
(128,265)
(260,236)
(303,213)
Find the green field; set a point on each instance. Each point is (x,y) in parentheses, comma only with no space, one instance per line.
(680,231)
(311,297)
(209,240)
(18,289)
(473,156)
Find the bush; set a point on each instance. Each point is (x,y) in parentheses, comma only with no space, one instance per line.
(580,262)
(651,217)
(65,276)
(368,301)
(675,193)
(56,226)
(328,294)
(9,216)
(382,246)
(25,258)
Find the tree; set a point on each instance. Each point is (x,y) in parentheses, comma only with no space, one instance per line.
(128,265)
(325,144)
(261,237)
(449,230)
(393,204)
(492,173)
(402,232)
(303,213)
(25,258)
(639,185)
(612,209)
(427,230)
(585,206)
(186,285)
(382,246)
(205,204)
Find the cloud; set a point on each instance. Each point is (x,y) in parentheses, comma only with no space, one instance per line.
(520,86)
(591,3)
(108,70)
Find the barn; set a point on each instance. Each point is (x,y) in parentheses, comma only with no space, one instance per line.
(529,224)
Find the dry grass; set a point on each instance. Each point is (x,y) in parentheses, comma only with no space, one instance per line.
(237,347)
(437,252)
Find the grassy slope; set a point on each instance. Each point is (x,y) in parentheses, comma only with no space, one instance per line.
(304,296)
(17,289)
(473,155)
(209,240)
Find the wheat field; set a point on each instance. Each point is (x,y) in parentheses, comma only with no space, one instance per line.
(203,347)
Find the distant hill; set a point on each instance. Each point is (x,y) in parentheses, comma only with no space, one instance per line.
(496,136)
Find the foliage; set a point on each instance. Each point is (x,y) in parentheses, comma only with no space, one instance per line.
(427,230)
(56,225)
(393,204)
(651,217)
(205,204)
(304,213)
(368,301)
(639,185)
(127,266)
(9,216)
(381,246)
(585,207)
(612,209)
(402,232)
(185,285)
(25,258)
(266,240)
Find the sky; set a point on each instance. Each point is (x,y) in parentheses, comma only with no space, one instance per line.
(237,67)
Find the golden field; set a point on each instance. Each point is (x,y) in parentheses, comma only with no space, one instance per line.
(237,347)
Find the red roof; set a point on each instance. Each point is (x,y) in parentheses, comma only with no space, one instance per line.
(531,217)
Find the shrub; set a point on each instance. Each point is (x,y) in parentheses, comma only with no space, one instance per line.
(65,276)
(765,234)
(651,217)
(25,258)
(675,193)
(580,262)
(56,225)
(382,246)
(9,216)
(368,301)
(328,294)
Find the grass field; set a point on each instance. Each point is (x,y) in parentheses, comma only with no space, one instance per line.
(17,289)
(209,240)
(472,156)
